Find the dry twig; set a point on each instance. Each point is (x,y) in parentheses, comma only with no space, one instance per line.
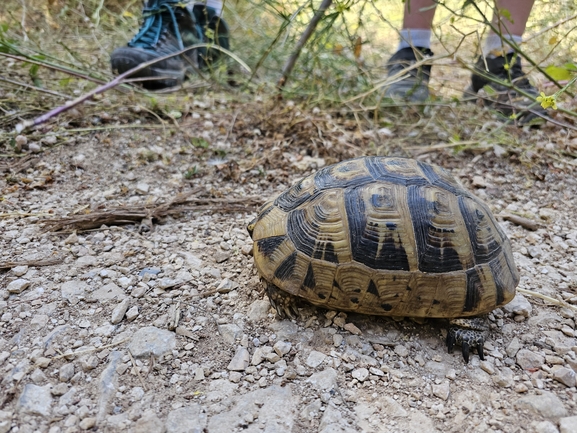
(135,214)
(36,263)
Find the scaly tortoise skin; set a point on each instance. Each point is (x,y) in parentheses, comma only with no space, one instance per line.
(386,236)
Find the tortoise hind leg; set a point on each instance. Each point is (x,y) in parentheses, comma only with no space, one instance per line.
(468,333)
(284,303)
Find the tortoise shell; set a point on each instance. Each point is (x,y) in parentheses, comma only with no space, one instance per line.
(385,236)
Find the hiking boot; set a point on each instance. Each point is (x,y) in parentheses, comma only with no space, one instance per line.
(415,86)
(509,102)
(170,26)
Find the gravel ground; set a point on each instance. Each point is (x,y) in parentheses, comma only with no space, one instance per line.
(165,327)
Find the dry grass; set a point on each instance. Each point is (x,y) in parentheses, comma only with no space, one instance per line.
(60,49)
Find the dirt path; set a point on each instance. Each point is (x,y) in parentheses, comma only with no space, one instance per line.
(162,325)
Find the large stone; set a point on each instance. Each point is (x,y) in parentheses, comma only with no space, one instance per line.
(565,375)
(268,410)
(543,427)
(230,332)
(519,306)
(568,424)
(18,286)
(258,310)
(315,359)
(35,400)
(333,421)
(151,341)
(108,292)
(149,423)
(325,380)
(86,261)
(546,404)
(282,348)
(220,389)
(442,390)
(188,419)
(392,407)
(361,374)
(513,347)
(240,360)
(286,330)
(119,311)
(528,359)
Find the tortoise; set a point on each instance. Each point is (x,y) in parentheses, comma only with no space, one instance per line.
(386,236)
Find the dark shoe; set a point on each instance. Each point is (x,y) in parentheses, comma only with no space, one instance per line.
(509,102)
(170,27)
(415,86)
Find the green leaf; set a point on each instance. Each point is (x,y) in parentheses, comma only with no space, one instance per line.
(506,14)
(570,67)
(489,90)
(558,73)
(199,142)
(33,71)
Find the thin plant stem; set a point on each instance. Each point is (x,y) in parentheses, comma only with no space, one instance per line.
(115,82)
(289,65)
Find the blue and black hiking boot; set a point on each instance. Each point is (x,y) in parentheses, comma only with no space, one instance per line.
(413,83)
(513,98)
(170,26)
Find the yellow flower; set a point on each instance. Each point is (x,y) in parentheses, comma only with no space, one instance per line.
(547,101)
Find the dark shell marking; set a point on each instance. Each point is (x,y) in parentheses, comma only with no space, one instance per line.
(389,236)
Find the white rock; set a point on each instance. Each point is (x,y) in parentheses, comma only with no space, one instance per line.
(142,188)
(513,347)
(148,422)
(18,286)
(519,306)
(73,291)
(38,321)
(188,419)
(566,376)
(258,310)
(442,390)
(85,261)
(528,359)
(361,374)
(108,292)
(151,341)
(324,380)
(240,360)
(545,404)
(315,359)
(568,424)
(35,400)
(132,313)
(282,348)
(401,350)
(19,270)
(119,311)
(71,239)
(230,332)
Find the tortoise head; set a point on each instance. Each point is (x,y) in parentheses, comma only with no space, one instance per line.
(250,227)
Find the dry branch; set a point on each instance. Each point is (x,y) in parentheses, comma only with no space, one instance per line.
(302,41)
(521,221)
(35,263)
(135,214)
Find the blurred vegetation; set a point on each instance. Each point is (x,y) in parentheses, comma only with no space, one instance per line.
(63,46)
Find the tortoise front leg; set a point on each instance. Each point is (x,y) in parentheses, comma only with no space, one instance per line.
(284,303)
(469,333)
